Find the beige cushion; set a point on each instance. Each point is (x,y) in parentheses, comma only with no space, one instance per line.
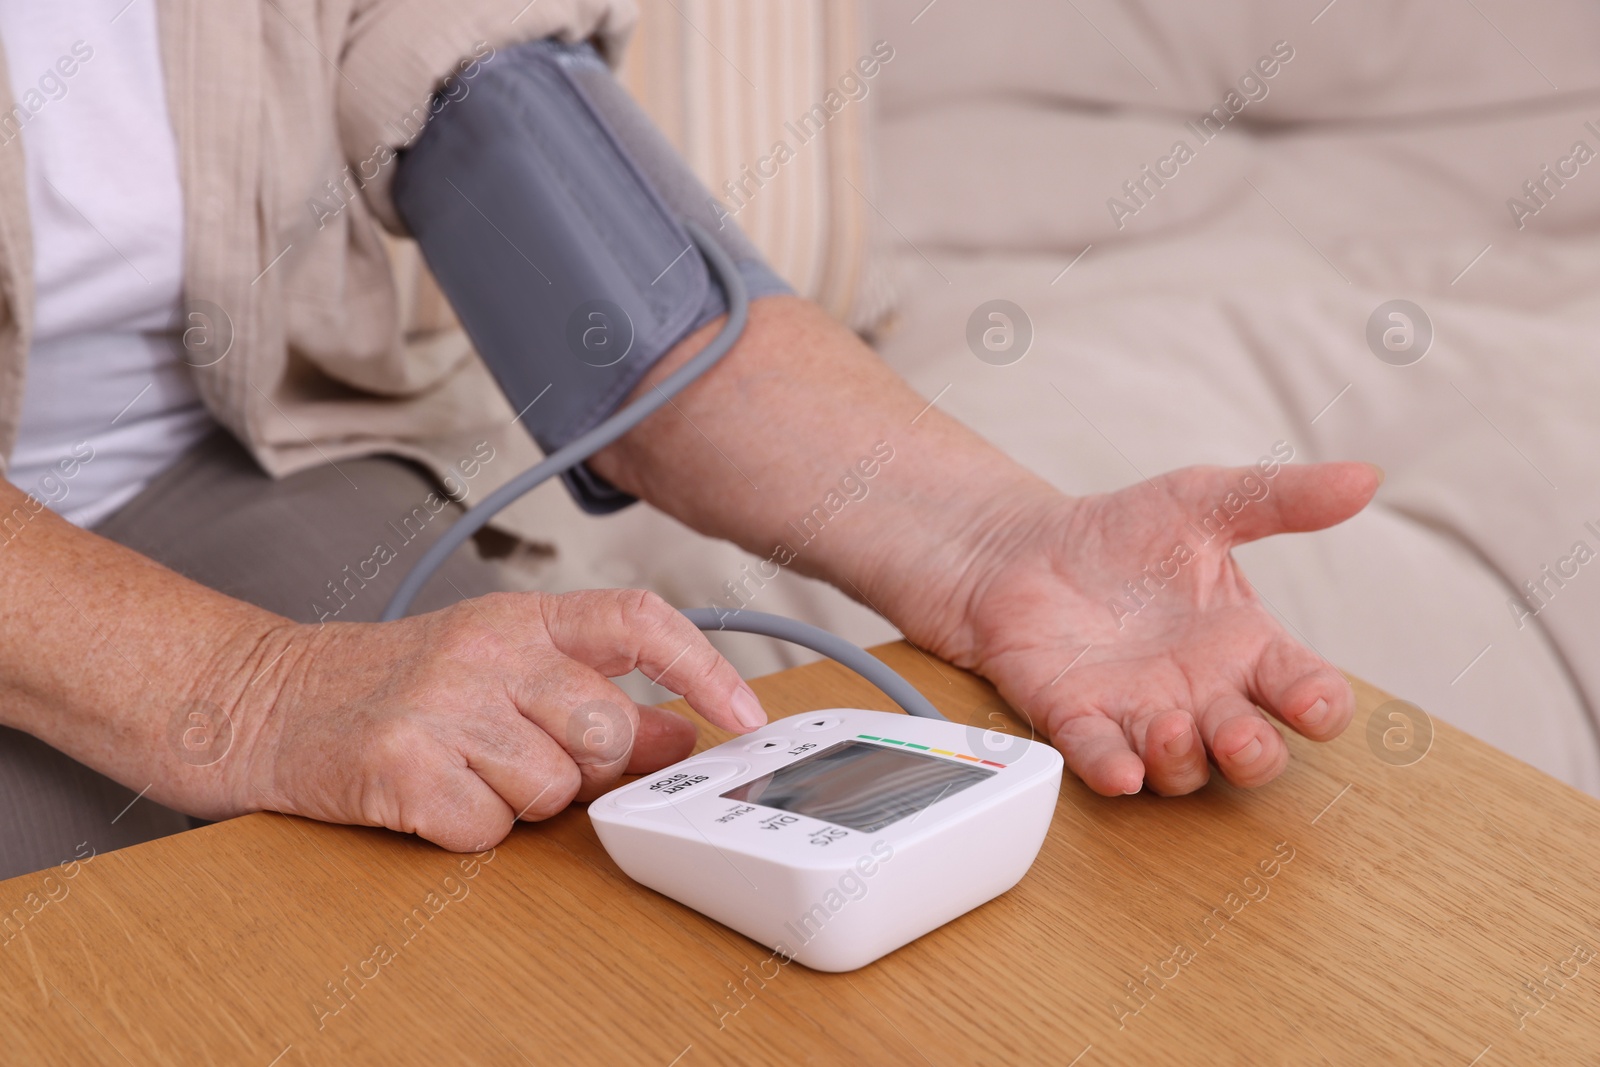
(1358,60)
(1019,127)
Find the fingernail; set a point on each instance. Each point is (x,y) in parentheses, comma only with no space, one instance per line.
(1378,471)
(1134,789)
(1249,753)
(746,708)
(1315,713)
(1180,745)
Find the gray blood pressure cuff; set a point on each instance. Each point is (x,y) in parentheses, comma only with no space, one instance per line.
(550,210)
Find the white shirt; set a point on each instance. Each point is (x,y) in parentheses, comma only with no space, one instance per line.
(103,379)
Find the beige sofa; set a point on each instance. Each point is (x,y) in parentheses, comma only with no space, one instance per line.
(1224,307)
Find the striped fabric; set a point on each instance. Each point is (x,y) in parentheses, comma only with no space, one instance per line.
(729,81)
(742,89)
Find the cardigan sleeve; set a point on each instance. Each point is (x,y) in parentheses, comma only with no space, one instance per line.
(405,60)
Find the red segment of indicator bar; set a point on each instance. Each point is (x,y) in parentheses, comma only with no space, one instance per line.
(992,763)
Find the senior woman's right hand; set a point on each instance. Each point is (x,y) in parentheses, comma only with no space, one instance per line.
(455,724)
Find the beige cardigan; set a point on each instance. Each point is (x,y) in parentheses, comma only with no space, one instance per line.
(271,101)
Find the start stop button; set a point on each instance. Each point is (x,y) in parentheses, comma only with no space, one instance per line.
(686,780)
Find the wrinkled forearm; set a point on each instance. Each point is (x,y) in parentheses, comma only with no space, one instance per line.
(753,450)
(104,654)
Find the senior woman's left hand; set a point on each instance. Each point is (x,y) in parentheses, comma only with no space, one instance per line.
(1122,627)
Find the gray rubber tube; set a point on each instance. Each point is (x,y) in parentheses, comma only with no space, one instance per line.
(817,639)
(585,445)
(576,451)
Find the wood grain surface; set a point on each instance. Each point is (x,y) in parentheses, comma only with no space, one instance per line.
(1369,907)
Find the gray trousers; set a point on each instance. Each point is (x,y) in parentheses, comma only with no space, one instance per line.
(216,518)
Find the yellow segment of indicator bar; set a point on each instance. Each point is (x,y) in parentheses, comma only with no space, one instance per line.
(942,751)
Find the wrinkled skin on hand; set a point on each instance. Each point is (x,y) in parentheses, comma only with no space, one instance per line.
(1140,691)
(454,725)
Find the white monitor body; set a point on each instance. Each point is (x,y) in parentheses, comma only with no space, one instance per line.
(837,836)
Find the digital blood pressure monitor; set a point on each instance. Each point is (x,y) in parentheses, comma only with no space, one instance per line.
(837,836)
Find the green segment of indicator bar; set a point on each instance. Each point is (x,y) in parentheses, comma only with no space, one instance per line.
(891,741)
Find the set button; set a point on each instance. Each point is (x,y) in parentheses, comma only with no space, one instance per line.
(767,744)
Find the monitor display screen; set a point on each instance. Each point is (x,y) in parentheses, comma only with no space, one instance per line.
(860,785)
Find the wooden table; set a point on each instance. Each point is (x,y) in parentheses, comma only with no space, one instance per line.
(1360,910)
